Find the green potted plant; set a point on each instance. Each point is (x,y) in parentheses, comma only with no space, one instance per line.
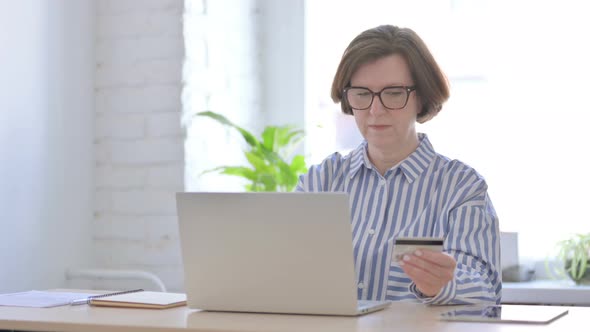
(574,254)
(272,166)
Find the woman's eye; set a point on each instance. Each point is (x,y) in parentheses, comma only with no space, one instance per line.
(393,93)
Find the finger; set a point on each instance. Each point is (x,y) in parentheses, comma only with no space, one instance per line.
(425,281)
(418,275)
(421,266)
(435,257)
(443,273)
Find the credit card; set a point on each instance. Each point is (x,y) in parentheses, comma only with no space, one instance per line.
(407,245)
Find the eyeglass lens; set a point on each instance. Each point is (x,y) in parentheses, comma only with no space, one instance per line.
(362,98)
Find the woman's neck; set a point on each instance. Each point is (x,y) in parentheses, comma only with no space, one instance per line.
(385,157)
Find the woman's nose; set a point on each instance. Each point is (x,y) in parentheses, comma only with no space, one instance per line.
(377,106)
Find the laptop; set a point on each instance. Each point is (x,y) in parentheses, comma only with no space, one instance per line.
(287,253)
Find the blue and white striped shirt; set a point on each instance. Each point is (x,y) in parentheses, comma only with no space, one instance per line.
(425,195)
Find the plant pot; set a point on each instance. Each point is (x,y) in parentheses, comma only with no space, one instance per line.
(585,280)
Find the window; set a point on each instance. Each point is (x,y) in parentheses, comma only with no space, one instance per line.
(518,110)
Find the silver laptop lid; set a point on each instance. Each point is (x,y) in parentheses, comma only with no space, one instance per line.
(268,252)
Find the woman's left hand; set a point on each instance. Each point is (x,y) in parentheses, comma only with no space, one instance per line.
(429,270)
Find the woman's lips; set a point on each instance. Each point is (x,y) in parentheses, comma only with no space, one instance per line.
(379,127)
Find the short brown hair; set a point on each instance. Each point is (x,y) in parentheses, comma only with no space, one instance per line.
(431,84)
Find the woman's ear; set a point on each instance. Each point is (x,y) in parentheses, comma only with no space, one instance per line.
(419,107)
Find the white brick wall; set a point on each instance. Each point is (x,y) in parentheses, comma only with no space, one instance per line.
(142,68)
(138,136)
(223,74)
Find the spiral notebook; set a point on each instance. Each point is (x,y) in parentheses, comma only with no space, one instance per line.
(138,298)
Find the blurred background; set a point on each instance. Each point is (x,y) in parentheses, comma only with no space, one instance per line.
(97,104)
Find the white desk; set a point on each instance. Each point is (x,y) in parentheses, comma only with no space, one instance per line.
(399,317)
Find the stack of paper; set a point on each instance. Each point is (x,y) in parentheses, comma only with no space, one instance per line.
(40,299)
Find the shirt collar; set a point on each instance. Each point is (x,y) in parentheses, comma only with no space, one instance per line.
(416,163)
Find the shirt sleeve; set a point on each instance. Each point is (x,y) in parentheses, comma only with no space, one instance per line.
(473,239)
(320,177)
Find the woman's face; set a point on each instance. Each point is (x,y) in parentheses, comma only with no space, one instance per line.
(381,127)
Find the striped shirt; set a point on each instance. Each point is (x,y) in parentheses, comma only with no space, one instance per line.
(425,195)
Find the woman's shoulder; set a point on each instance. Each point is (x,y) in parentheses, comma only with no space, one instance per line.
(342,159)
(323,176)
(457,169)
(333,161)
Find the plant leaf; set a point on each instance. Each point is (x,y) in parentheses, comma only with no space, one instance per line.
(248,137)
(298,164)
(290,137)
(256,159)
(269,138)
(242,171)
(269,169)
(269,181)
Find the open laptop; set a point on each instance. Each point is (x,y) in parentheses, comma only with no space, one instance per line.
(269,252)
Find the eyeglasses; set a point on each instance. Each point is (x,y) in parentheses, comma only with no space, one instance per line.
(392,97)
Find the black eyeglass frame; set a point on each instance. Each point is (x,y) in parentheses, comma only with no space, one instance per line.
(406,88)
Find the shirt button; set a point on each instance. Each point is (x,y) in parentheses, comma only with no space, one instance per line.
(371,231)
(361,285)
(382,182)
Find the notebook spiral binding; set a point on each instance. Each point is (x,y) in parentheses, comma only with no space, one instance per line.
(90,298)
